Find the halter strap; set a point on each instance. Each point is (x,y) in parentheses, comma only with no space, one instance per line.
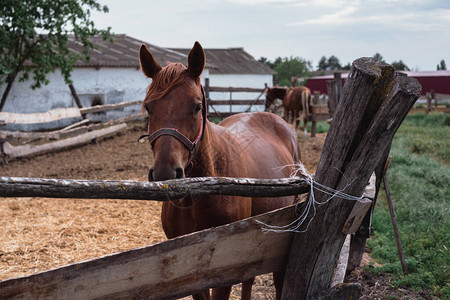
(190,145)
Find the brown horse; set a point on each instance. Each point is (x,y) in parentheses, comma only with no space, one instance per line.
(272,94)
(295,99)
(185,143)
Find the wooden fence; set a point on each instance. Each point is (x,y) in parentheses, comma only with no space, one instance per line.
(246,104)
(77,133)
(373,104)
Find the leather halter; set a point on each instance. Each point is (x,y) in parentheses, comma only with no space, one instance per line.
(190,145)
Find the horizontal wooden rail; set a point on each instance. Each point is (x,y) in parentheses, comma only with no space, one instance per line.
(159,190)
(28,150)
(65,132)
(235,89)
(100,108)
(236,102)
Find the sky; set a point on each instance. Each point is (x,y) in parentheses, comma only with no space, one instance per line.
(414,31)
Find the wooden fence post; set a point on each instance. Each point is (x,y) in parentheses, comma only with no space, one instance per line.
(373,105)
(338,87)
(331,91)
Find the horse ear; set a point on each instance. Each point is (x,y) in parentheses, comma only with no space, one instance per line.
(196,60)
(149,65)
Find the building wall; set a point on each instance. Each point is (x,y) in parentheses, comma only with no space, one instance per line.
(110,85)
(115,85)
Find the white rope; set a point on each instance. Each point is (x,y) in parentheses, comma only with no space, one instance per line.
(310,204)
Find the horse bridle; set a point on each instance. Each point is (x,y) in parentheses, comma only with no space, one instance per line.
(190,145)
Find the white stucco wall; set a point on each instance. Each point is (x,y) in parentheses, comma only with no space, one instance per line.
(115,85)
(238,80)
(112,85)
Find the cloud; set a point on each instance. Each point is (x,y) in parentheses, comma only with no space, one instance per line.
(257,2)
(340,17)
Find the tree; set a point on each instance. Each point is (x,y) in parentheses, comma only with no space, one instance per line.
(287,68)
(400,66)
(442,65)
(378,56)
(34,36)
(323,64)
(332,63)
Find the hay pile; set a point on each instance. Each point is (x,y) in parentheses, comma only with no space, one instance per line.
(40,234)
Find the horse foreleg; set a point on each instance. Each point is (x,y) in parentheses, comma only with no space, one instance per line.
(246,292)
(295,121)
(278,278)
(222,293)
(286,114)
(204,295)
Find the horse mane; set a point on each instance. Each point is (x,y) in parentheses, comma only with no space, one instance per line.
(165,80)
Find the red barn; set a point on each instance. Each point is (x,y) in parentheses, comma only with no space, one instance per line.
(439,81)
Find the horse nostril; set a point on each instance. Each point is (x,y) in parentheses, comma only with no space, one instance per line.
(179,173)
(150,175)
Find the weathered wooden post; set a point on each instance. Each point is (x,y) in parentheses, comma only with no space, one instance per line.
(206,87)
(374,103)
(338,87)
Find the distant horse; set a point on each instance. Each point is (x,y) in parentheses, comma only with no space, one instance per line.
(272,94)
(297,99)
(185,143)
(294,99)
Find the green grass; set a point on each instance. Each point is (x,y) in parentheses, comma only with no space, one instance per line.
(419,180)
(321,127)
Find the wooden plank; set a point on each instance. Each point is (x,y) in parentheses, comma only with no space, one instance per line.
(215,257)
(78,124)
(43,117)
(28,150)
(236,102)
(360,208)
(318,118)
(106,107)
(341,267)
(157,190)
(235,89)
(62,133)
(319,109)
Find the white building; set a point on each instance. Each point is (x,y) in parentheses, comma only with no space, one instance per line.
(113,75)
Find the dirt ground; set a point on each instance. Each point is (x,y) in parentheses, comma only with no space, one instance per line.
(38,234)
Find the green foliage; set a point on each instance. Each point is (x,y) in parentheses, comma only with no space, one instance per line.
(34,36)
(378,57)
(400,66)
(441,65)
(419,182)
(332,63)
(321,127)
(287,68)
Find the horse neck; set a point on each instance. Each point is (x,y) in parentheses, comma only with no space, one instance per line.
(213,152)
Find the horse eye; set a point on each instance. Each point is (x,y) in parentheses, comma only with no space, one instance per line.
(198,108)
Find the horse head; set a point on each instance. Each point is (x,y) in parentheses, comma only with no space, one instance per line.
(176,108)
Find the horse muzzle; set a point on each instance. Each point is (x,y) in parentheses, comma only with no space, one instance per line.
(159,174)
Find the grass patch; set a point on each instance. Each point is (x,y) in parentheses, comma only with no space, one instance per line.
(321,127)
(419,179)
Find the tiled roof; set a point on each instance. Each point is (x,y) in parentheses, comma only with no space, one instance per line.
(232,61)
(124,52)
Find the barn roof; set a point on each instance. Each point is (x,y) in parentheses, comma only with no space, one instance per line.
(231,61)
(124,51)
(439,81)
